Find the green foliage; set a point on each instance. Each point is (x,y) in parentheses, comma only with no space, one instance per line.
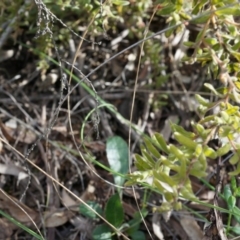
(114,214)
(85,211)
(230,194)
(169,172)
(114,211)
(168,167)
(102,232)
(117,155)
(65,19)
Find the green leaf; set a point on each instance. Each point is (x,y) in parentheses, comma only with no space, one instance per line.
(236,214)
(85,211)
(180,129)
(170,8)
(160,142)
(165,207)
(184,16)
(236,55)
(169,196)
(225,131)
(142,163)
(227,192)
(117,155)
(235,172)
(232,110)
(233,184)
(200,36)
(163,177)
(102,232)
(177,206)
(211,87)
(189,44)
(231,202)
(236,230)
(203,160)
(237,192)
(198,150)
(234,159)
(176,152)
(224,150)
(187,192)
(207,119)
(205,102)
(209,152)
(120,2)
(148,158)
(236,46)
(197,6)
(234,11)
(201,19)
(235,67)
(211,41)
(135,222)
(196,170)
(156,183)
(178,4)
(185,141)
(114,211)
(138,235)
(223,90)
(198,128)
(151,148)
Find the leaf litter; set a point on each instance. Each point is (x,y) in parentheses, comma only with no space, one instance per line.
(35,93)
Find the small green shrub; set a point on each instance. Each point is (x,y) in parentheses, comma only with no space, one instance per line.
(168,167)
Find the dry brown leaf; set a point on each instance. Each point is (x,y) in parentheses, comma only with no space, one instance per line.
(12,132)
(129,209)
(87,195)
(15,210)
(190,226)
(5,132)
(57,218)
(6,228)
(69,202)
(14,170)
(129,192)
(61,129)
(96,145)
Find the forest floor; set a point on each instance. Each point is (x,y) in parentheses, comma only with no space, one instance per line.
(43,118)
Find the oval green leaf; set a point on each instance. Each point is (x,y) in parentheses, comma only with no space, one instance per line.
(224,150)
(102,232)
(185,141)
(117,155)
(114,211)
(160,142)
